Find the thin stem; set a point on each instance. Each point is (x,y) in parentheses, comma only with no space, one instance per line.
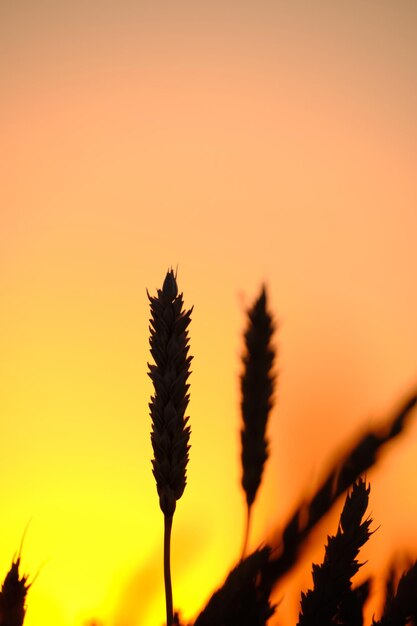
(167,570)
(247,530)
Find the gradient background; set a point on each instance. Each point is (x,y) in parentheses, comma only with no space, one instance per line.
(245,142)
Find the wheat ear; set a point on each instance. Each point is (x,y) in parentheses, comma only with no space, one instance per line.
(170,433)
(257,387)
(321,605)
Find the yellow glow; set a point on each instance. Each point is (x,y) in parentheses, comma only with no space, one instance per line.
(272,144)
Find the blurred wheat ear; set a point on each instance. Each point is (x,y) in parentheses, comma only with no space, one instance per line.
(13,596)
(170,432)
(401,602)
(242,600)
(257,387)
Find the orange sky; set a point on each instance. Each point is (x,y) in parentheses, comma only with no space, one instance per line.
(244,142)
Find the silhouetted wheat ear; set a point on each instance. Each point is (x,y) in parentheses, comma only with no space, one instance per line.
(170,432)
(13,596)
(257,386)
(321,605)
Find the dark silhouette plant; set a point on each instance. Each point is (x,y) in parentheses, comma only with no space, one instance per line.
(257,385)
(170,432)
(245,597)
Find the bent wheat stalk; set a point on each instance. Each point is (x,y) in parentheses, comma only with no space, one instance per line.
(170,433)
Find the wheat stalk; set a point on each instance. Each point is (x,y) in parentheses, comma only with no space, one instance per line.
(170,433)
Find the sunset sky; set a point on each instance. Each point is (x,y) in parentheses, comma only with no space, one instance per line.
(242,142)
